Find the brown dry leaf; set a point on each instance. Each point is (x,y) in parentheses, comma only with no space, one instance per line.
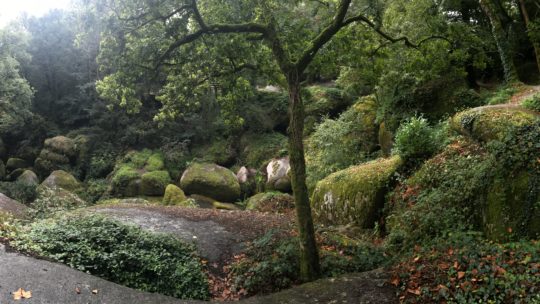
(395,281)
(414,291)
(460,275)
(21,294)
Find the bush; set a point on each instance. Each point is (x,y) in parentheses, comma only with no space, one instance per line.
(532,103)
(19,191)
(271,262)
(94,190)
(120,253)
(343,142)
(416,140)
(468,269)
(502,95)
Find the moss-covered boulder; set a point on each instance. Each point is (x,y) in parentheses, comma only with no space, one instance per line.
(211,180)
(14,163)
(28,177)
(154,183)
(510,208)
(492,122)
(51,200)
(12,207)
(62,179)
(355,195)
(140,173)
(271,202)
(278,175)
(173,195)
(58,153)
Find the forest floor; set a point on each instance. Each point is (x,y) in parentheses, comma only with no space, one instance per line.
(218,236)
(524,93)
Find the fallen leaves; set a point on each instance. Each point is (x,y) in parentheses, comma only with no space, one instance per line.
(21,294)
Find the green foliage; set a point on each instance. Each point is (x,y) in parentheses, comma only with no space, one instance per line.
(101,162)
(339,143)
(272,261)
(467,269)
(176,156)
(416,140)
(120,253)
(19,191)
(532,103)
(123,175)
(54,200)
(501,95)
(94,190)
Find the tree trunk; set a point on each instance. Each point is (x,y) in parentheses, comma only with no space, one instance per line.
(309,259)
(503,45)
(527,20)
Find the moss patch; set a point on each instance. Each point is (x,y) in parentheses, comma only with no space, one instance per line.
(492,122)
(173,195)
(354,195)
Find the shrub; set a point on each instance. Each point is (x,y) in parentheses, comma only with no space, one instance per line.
(258,149)
(343,142)
(155,162)
(19,191)
(120,253)
(416,140)
(468,269)
(271,263)
(176,156)
(94,190)
(532,103)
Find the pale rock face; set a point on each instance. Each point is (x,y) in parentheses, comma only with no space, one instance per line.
(278,171)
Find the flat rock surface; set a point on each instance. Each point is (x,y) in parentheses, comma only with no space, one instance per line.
(358,288)
(52,283)
(217,234)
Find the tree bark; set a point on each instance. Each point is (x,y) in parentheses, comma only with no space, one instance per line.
(500,36)
(527,19)
(309,259)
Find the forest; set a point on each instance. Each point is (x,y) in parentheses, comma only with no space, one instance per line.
(264,151)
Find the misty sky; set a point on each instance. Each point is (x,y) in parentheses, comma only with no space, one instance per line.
(11,9)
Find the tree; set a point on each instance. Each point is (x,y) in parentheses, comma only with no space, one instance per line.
(496,15)
(15,92)
(181,45)
(529,25)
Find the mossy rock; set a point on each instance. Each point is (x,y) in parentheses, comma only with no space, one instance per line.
(174,195)
(15,174)
(271,202)
(62,179)
(355,195)
(62,145)
(492,122)
(16,163)
(212,181)
(325,101)
(510,211)
(28,177)
(154,183)
(51,200)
